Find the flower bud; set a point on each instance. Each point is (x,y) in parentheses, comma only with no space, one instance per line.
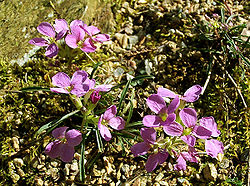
(95,96)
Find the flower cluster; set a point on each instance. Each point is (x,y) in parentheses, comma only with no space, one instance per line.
(78,35)
(77,86)
(181,130)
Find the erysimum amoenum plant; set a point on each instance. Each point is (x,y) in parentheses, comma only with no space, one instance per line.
(172,131)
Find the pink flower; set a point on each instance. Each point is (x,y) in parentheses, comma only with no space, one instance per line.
(95,97)
(47,29)
(63,147)
(108,118)
(214,147)
(191,95)
(77,85)
(165,115)
(79,39)
(149,137)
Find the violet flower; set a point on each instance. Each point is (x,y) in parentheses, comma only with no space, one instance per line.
(142,148)
(63,147)
(108,118)
(186,156)
(47,29)
(77,37)
(95,97)
(191,95)
(165,115)
(76,85)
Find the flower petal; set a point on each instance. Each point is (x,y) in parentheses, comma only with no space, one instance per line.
(188,117)
(173,129)
(170,119)
(61,79)
(202,132)
(88,46)
(152,121)
(173,105)
(110,113)
(53,149)
(78,32)
(60,25)
(79,77)
(101,38)
(148,135)
(59,133)
(192,94)
(51,50)
(163,92)
(209,123)
(140,149)
(38,42)
(214,147)
(74,137)
(46,29)
(104,131)
(181,164)
(162,156)
(156,103)
(59,90)
(189,157)
(117,123)
(67,153)
(103,88)
(71,40)
(155,159)
(76,23)
(80,89)
(61,34)
(190,140)
(90,30)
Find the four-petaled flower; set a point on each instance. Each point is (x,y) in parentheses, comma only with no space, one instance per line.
(63,147)
(79,39)
(47,29)
(165,115)
(108,118)
(142,148)
(77,85)
(191,95)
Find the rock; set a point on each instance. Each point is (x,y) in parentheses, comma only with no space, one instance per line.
(39,182)
(67,169)
(122,39)
(53,172)
(129,30)
(74,166)
(165,183)
(133,40)
(15,142)
(15,177)
(20,172)
(210,172)
(18,162)
(108,165)
(224,163)
(125,170)
(54,163)
(159,177)
(77,156)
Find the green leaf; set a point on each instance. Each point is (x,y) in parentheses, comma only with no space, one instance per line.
(33,89)
(125,90)
(222,11)
(81,162)
(53,124)
(131,106)
(135,124)
(99,140)
(94,69)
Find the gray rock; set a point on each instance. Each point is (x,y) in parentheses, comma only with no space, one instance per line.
(15,142)
(159,177)
(210,172)
(18,162)
(15,177)
(133,39)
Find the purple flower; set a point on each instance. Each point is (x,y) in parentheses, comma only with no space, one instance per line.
(149,137)
(77,37)
(108,118)
(186,156)
(47,29)
(191,95)
(214,147)
(165,115)
(63,147)
(76,85)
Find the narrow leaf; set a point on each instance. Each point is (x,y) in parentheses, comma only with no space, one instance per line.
(125,90)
